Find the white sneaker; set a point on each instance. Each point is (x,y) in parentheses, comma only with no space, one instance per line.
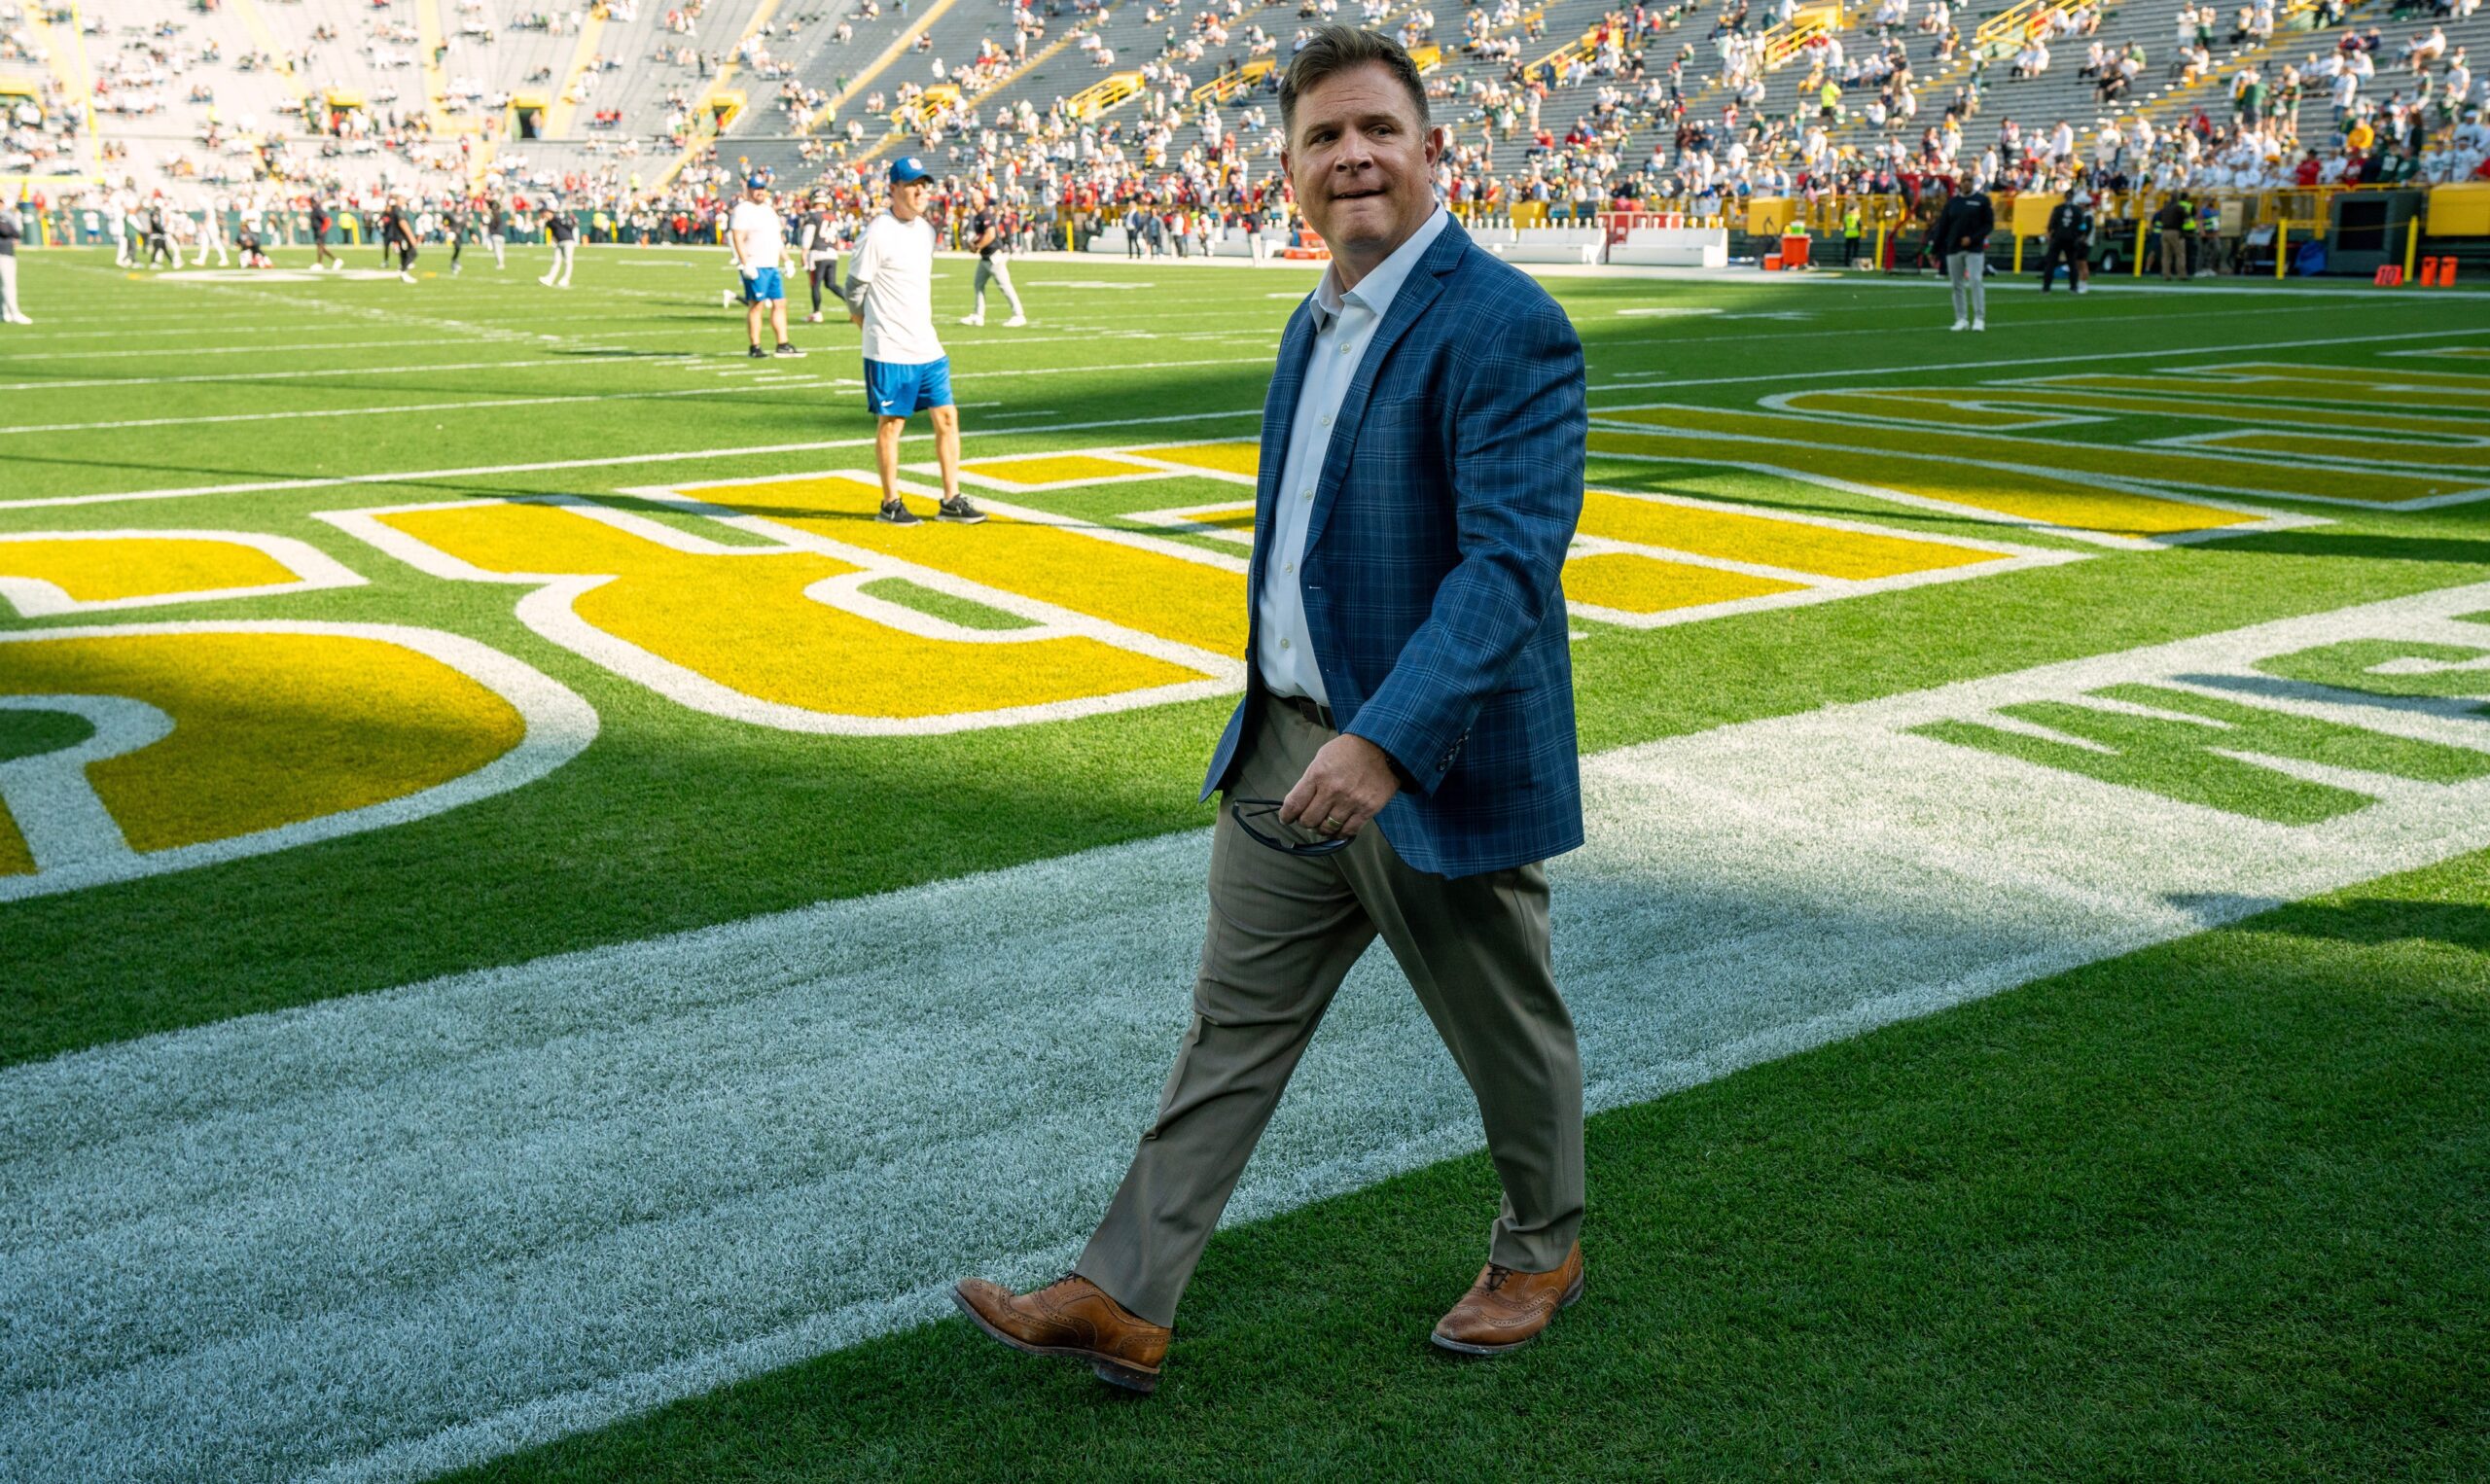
(546,282)
(19,319)
(405,279)
(1979,324)
(813,318)
(1962,324)
(973,319)
(1015,322)
(2079,288)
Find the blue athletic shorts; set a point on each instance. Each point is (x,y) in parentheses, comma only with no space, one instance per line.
(763,286)
(893,390)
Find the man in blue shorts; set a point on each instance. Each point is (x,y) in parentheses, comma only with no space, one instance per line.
(759,241)
(890,292)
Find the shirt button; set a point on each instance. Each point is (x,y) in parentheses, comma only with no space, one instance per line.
(1283,643)
(1291,567)
(1305,494)
(1327,419)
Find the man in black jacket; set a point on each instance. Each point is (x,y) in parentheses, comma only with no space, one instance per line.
(1963,229)
(2070,241)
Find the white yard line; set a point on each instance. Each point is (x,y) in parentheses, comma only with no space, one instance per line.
(508,1205)
(433,475)
(400,409)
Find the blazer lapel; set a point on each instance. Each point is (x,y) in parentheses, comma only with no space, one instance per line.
(1420,290)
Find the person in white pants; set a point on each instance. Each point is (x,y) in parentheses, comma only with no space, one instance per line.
(566,241)
(11,229)
(986,239)
(211,235)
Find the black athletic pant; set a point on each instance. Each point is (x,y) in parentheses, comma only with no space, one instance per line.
(406,256)
(821,275)
(2066,250)
(457,245)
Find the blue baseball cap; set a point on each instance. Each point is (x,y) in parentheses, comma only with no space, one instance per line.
(907,168)
(756,182)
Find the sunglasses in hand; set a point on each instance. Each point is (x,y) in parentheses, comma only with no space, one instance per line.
(1245,811)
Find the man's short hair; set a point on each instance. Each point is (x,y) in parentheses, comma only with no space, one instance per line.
(1337,49)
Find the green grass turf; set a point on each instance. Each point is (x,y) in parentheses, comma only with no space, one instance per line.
(674,820)
(2214,1210)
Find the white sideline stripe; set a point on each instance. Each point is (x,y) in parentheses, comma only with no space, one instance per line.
(502,1206)
(587,357)
(427,475)
(401,410)
(1632,384)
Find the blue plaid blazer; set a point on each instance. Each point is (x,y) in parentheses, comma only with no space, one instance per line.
(1432,570)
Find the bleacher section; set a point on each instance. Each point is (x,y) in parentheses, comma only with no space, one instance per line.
(1568,103)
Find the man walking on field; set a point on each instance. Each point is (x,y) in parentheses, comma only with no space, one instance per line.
(1403,763)
(890,292)
(759,240)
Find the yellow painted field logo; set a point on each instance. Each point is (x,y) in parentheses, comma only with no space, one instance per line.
(136,748)
(782,603)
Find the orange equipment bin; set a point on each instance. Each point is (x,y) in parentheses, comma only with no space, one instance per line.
(1793,250)
(1772,263)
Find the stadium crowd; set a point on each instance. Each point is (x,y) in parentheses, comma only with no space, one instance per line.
(1671,106)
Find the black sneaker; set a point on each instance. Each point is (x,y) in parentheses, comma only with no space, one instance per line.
(787,352)
(957,511)
(897,513)
(757,353)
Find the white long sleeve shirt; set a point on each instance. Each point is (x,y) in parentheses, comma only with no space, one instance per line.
(1344,323)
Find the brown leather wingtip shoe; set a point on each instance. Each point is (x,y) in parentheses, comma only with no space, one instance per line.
(1507,1308)
(1071,1316)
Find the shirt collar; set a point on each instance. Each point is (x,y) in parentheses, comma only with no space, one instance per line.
(1376,290)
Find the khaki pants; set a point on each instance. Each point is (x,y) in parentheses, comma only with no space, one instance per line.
(1284,931)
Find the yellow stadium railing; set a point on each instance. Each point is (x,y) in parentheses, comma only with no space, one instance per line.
(2012,24)
(1784,41)
(1099,96)
(1227,84)
(1582,45)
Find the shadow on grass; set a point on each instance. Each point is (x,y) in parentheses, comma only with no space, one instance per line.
(2374,920)
(2357,545)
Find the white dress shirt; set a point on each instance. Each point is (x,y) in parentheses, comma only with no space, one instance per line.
(1344,321)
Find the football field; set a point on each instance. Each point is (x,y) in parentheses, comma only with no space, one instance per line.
(539,939)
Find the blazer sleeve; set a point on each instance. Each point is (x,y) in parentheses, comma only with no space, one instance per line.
(1519,422)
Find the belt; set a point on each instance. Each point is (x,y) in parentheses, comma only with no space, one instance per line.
(1309,708)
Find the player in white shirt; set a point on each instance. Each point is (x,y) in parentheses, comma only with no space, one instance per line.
(759,241)
(890,292)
